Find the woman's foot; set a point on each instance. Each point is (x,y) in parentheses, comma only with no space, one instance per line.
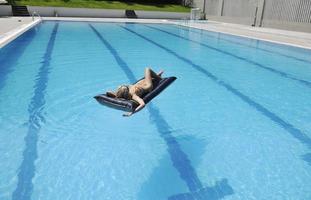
(160,73)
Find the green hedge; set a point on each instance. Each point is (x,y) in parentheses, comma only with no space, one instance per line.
(178,2)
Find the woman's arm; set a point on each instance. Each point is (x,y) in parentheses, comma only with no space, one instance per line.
(139,107)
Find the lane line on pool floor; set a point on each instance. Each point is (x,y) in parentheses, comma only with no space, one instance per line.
(179,159)
(280,73)
(295,132)
(27,169)
(206,33)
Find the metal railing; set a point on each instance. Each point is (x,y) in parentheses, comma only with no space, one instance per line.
(195,14)
(288,10)
(288,14)
(36,14)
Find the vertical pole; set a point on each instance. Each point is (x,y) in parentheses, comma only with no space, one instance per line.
(255,17)
(221,7)
(204,14)
(260,12)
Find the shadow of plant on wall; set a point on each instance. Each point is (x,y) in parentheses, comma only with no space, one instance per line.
(159,4)
(11,2)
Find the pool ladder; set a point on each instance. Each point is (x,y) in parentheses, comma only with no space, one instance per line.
(36,14)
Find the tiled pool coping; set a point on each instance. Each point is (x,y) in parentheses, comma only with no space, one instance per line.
(292,38)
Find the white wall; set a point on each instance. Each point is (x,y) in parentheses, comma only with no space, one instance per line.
(5,10)
(161,15)
(106,13)
(76,12)
(89,12)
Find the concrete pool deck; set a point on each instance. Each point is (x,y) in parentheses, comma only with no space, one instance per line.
(11,27)
(293,38)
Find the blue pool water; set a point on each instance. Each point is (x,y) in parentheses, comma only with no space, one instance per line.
(236,125)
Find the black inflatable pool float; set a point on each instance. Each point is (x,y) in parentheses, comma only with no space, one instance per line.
(130,105)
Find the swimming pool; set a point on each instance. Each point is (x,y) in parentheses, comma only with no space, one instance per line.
(236,124)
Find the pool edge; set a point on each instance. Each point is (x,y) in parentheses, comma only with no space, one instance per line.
(216,30)
(308,47)
(13,34)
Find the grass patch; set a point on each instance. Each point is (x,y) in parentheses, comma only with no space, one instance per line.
(105,5)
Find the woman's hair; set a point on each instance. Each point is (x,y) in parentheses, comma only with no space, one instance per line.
(123,92)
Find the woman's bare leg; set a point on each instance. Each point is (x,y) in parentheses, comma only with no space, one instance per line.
(149,75)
